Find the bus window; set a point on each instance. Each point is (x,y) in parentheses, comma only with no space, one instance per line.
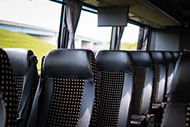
(129,39)
(30,24)
(89,35)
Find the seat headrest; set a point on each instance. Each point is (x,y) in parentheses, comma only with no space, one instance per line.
(168,56)
(181,83)
(175,55)
(157,57)
(19,60)
(113,61)
(68,63)
(141,59)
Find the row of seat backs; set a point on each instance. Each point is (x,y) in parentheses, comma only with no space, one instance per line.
(177,112)
(21,62)
(144,63)
(63,67)
(72,91)
(15,67)
(74,66)
(171,59)
(162,64)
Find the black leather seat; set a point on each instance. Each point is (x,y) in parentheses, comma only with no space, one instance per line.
(65,96)
(170,65)
(23,63)
(8,90)
(113,96)
(2,104)
(159,70)
(177,112)
(142,89)
(2,111)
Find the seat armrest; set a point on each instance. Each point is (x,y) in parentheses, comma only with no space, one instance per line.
(157,110)
(150,120)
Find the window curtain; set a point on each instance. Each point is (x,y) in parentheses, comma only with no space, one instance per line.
(143,41)
(71,15)
(117,33)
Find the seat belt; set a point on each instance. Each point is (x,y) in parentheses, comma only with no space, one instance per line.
(27,90)
(34,111)
(33,116)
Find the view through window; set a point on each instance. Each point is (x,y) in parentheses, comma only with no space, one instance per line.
(130,36)
(34,24)
(31,24)
(90,36)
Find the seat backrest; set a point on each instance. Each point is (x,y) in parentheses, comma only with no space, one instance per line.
(170,65)
(159,70)
(143,82)
(8,89)
(177,112)
(113,96)
(26,78)
(67,89)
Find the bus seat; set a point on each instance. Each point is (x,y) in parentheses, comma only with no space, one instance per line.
(113,96)
(170,65)
(142,89)
(177,112)
(65,96)
(23,63)
(159,71)
(8,90)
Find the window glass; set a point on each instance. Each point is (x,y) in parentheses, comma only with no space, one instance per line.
(129,39)
(89,35)
(31,24)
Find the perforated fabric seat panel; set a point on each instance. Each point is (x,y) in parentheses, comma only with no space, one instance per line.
(66,102)
(8,89)
(106,110)
(138,89)
(156,83)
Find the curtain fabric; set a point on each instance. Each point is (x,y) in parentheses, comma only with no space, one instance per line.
(71,15)
(143,41)
(62,28)
(117,33)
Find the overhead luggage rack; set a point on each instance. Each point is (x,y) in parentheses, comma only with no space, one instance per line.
(141,11)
